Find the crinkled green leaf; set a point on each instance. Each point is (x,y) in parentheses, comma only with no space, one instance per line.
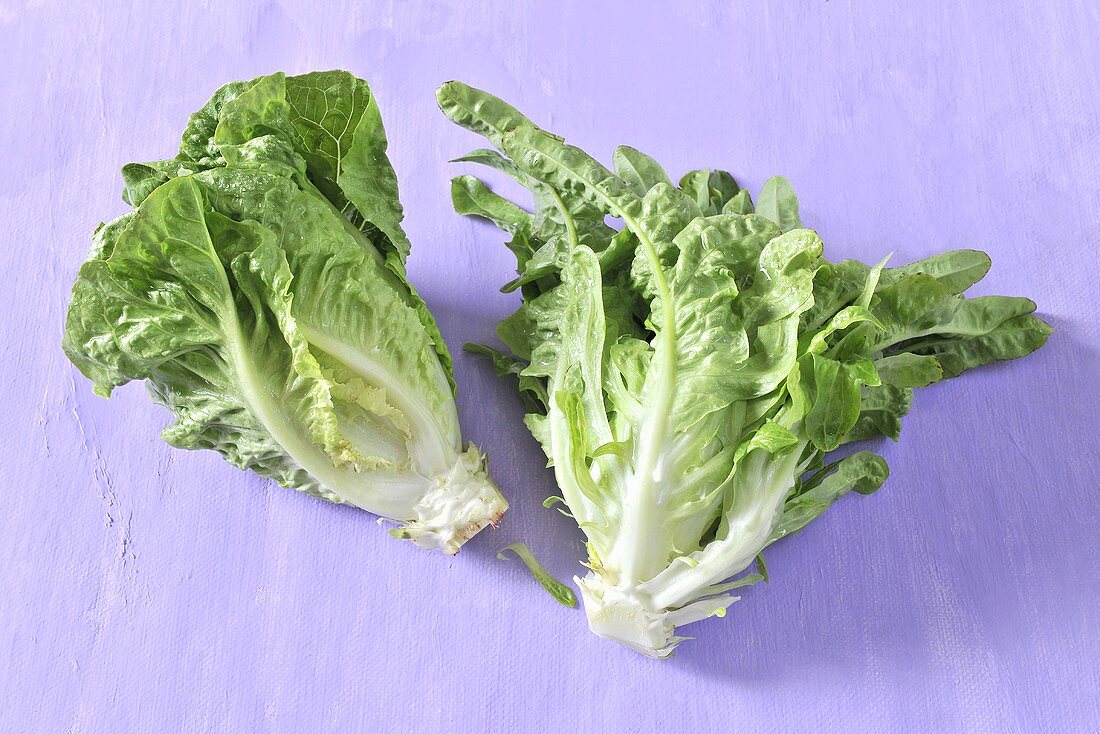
(639,170)
(836,397)
(862,472)
(711,190)
(1011,339)
(881,409)
(909,370)
(740,204)
(956,270)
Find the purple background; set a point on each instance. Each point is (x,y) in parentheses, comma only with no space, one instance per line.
(148,589)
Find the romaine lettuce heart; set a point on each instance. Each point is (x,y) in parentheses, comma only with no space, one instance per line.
(259,289)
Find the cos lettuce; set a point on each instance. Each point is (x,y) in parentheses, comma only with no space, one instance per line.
(688,374)
(259,289)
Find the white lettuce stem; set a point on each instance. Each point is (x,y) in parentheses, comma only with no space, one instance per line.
(623,616)
(641,546)
(757,492)
(644,615)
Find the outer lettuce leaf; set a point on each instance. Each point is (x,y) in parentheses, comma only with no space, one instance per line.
(330,120)
(639,171)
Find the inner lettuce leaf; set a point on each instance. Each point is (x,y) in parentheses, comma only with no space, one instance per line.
(688,375)
(259,289)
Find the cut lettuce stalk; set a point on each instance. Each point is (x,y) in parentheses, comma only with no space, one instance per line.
(259,289)
(687,374)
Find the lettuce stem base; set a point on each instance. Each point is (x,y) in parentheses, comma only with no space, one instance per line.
(623,614)
(462,502)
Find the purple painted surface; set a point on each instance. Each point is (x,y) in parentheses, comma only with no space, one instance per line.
(148,589)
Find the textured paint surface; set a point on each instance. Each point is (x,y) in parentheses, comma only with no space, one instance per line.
(147,589)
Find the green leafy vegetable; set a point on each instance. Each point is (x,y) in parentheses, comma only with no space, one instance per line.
(259,289)
(687,375)
(562,594)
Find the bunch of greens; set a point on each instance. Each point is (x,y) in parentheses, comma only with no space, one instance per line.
(258,287)
(687,374)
